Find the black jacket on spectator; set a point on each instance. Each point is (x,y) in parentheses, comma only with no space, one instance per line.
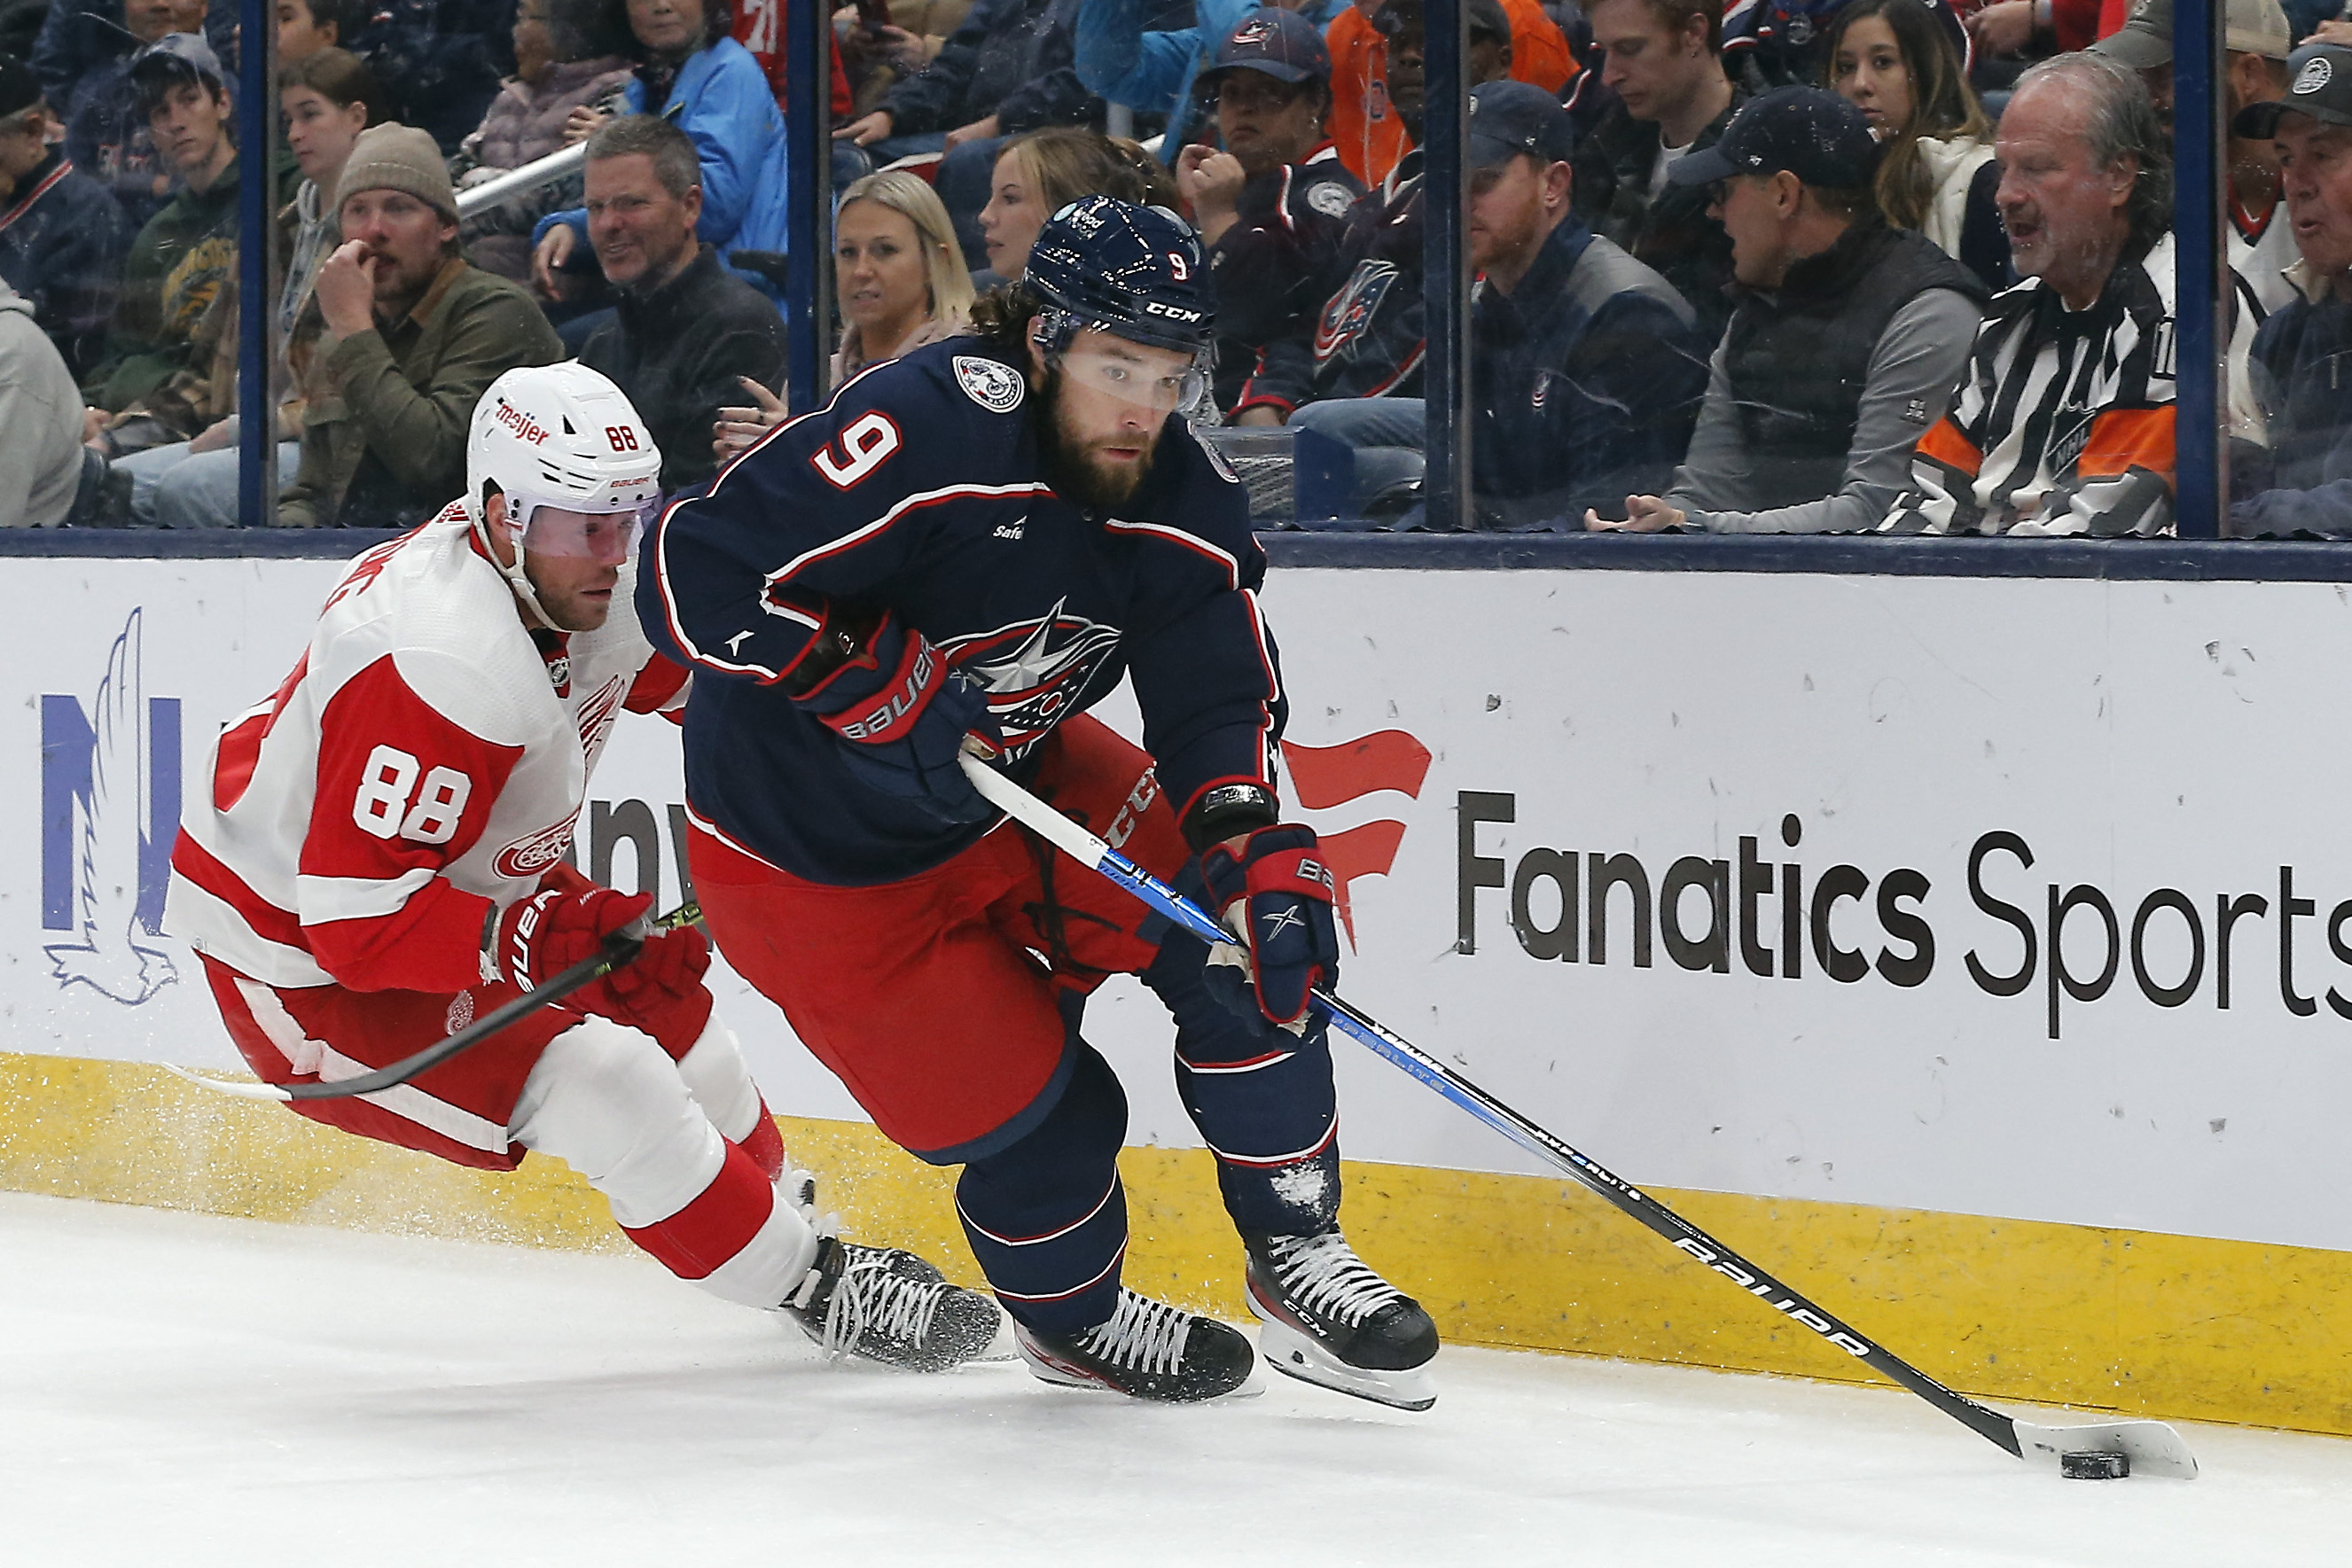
(1270,270)
(1587,379)
(676,351)
(1011,58)
(1798,357)
(78,36)
(1369,339)
(2302,375)
(62,240)
(1672,235)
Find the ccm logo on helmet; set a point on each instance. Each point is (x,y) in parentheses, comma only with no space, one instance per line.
(1173,312)
(525,427)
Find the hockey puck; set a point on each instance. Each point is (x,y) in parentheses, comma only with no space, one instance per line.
(2094,1466)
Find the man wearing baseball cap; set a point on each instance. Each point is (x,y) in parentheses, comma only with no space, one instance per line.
(2257,36)
(409,335)
(61,235)
(1586,371)
(1845,343)
(2300,353)
(1272,209)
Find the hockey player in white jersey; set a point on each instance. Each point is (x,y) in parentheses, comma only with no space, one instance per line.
(378,859)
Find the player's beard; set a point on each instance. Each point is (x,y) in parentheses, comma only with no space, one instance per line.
(1077,474)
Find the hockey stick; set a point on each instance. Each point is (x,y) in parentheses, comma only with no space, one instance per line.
(2151,1446)
(619,948)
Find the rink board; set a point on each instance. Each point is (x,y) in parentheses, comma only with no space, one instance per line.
(1964,765)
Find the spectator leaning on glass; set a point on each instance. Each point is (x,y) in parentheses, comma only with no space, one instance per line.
(1369,339)
(704,82)
(1902,64)
(683,330)
(1673,100)
(1584,373)
(1039,174)
(409,337)
(1271,208)
(2257,38)
(1152,72)
(2063,423)
(1366,125)
(1845,345)
(2300,353)
(61,235)
(41,455)
(900,285)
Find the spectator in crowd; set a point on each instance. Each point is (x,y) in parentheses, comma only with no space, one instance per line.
(1272,210)
(2256,39)
(169,358)
(409,337)
(2032,29)
(1671,100)
(1007,69)
(899,284)
(1042,172)
(1369,339)
(78,37)
(1846,342)
(41,455)
(61,235)
(564,60)
(439,61)
(2300,352)
(2064,424)
(683,330)
(1585,371)
(107,134)
(1788,43)
(704,82)
(325,98)
(1901,63)
(1152,72)
(1525,44)
(306,27)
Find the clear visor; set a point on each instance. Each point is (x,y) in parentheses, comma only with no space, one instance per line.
(1159,379)
(550,528)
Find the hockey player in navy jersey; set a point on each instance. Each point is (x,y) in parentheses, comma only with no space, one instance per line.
(978,541)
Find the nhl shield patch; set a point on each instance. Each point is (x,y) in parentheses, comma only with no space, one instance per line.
(995,386)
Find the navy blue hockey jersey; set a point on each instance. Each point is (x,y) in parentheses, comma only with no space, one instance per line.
(917,491)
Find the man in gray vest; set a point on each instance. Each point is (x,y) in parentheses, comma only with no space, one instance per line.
(1846,342)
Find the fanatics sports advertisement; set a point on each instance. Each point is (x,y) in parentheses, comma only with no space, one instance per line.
(1789,885)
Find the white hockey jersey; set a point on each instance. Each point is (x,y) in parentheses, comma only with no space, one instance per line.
(424,763)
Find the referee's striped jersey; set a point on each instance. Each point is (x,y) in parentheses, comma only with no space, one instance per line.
(2064,424)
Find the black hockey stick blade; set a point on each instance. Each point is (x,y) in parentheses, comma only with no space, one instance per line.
(618,949)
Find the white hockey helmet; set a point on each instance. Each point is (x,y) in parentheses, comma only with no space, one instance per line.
(564,441)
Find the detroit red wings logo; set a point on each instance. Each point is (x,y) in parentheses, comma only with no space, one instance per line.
(1323,776)
(1034,673)
(525,857)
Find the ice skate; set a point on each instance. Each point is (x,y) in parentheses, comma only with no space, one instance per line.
(1149,1349)
(1330,1320)
(861,1301)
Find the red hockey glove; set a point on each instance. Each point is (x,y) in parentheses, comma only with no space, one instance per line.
(903,714)
(1275,895)
(540,936)
(662,992)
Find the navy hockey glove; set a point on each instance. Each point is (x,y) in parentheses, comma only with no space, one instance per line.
(903,714)
(1275,895)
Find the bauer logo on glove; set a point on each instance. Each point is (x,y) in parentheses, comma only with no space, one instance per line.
(1277,896)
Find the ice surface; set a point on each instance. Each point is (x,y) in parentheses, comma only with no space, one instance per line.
(184,1390)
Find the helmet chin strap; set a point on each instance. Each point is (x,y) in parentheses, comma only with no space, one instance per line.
(516,578)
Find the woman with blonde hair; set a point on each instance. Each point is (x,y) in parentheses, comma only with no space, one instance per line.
(1904,65)
(1039,174)
(897,280)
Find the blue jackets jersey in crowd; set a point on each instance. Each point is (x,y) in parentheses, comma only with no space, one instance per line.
(723,101)
(2302,374)
(1152,72)
(918,490)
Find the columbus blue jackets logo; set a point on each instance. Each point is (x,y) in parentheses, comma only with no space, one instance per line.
(1033,673)
(1255,31)
(1352,308)
(992,385)
(109,812)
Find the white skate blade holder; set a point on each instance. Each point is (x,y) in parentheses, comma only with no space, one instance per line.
(1302,1356)
(2153,1447)
(1047,1369)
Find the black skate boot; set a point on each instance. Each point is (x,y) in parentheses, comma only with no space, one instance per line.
(1149,1349)
(798,1188)
(856,1301)
(1330,1320)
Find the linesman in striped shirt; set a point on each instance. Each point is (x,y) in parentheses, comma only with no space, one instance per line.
(2064,424)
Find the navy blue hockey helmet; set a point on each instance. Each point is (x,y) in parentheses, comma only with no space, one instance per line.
(1134,272)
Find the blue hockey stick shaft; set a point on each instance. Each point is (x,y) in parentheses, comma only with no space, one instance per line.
(2154,1448)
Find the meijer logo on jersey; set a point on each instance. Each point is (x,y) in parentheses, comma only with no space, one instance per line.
(109,812)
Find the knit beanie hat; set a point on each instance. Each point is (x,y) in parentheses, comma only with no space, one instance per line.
(399,158)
